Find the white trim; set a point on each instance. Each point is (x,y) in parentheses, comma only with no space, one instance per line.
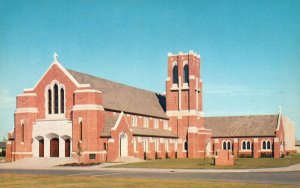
(87,107)
(111,140)
(192,77)
(27,95)
(184,113)
(63,70)
(192,130)
(26,110)
(96,152)
(118,121)
(87,91)
(19,153)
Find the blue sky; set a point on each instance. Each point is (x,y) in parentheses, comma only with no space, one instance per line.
(250,50)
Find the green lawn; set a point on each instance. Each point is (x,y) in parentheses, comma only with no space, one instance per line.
(34,181)
(242,163)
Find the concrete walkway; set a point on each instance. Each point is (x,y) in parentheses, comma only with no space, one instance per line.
(52,164)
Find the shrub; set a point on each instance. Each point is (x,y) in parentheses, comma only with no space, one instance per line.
(266,155)
(245,155)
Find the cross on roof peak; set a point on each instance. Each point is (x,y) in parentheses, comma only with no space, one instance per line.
(55,56)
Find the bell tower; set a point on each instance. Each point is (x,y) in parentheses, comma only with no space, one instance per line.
(184,101)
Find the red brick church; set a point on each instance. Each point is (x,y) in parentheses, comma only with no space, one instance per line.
(67,111)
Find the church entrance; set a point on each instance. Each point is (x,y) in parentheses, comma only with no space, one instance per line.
(41,148)
(54,147)
(123,145)
(67,147)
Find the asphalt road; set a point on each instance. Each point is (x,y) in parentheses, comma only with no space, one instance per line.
(292,178)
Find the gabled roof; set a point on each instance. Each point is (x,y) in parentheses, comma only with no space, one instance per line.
(242,126)
(109,122)
(120,97)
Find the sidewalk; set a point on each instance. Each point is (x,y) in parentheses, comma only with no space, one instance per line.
(51,164)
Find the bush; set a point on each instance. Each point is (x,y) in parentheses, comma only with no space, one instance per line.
(245,156)
(266,155)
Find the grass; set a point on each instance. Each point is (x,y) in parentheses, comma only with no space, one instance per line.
(242,163)
(44,181)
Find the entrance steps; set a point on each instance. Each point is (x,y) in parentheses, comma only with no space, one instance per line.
(36,163)
(129,159)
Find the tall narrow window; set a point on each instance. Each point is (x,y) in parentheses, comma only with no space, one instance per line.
(268,144)
(228,145)
(224,145)
(186,73)
(264,145)
(186,146)
(55,99)
(80,131)
(175,74)
(22,132)
(244,145)
(62,101)
(49,101)
(248,145)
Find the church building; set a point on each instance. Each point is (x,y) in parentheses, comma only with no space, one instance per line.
(72,114)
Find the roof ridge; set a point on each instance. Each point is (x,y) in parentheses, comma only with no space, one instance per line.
(115,82)
(241,115)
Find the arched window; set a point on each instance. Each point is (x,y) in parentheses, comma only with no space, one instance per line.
(224,145)
(248,145)
(186,146)
(80,131)
(186,73)
(264,145)
(175,74)
(268,144)
(55,99)
(22,132)
(244,145)
(49,101)
(62,100)
(228,145)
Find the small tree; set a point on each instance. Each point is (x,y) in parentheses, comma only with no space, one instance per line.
(79,151)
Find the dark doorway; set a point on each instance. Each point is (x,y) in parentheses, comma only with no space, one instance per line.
(54,147)
(41,148)
(67,147)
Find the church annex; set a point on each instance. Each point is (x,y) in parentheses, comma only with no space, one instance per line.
(67,110)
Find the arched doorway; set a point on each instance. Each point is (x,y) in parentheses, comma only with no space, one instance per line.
(54,147)
(123,145)
(41,148)
(67,147)
(208,148)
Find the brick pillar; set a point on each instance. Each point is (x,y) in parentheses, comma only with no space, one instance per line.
(276,148)
(255,148)
(216,146)
(235,146)
(192,142)
(8,156)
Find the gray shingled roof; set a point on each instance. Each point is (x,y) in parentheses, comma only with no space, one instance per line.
(242,126)
(153,132)
(297,143)
(109,122)
(125,98)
